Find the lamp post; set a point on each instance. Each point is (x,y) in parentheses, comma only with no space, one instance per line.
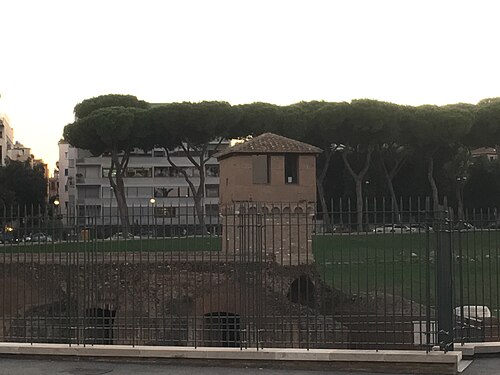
(56,207)
(110,212)
(153,201)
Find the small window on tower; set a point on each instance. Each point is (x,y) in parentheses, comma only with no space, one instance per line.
(291,169)
(260,169)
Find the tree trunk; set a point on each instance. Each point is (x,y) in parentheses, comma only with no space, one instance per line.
(321,191)
(324,207)
(460,200)
(388,177)
(432,182)
(359,203)
(121,201)
(198,192)
(358,180)
(119,190)
(198,207)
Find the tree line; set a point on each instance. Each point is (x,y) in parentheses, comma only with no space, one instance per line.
(400,150)
(23,186)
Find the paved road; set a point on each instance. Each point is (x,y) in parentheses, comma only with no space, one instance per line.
(484,366)
(11,366)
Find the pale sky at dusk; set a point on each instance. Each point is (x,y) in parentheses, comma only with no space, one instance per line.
(58,53)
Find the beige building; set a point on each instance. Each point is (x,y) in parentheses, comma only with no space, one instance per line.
(19,152)
(268,198)
(6,138)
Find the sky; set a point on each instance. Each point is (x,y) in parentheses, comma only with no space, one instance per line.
(54,54)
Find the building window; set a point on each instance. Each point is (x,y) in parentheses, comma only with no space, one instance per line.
(212,209)
(159,153)
(66,171)
(88,191)
(161,171)
(211,191)
(105,172)
(65,155)
(163,192)
(138,172)
(212,170)
(261,169)
(1,134)
(291,169)
(165,212)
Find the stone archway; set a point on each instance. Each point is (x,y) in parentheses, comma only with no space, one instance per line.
(99,325)
(222,329)
(302,291)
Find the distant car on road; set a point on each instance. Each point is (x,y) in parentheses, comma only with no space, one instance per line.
(420,228)
(463,225)
(393,228)
(121,236)
(38,238)
(8,238)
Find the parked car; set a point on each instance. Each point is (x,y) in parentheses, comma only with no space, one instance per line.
(463,225)
(493,225)
(393,228)
(420,228)
(120,236)
(8,238)
(38,237)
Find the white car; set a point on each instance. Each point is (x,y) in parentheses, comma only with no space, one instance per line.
(38,237)
(120,236)
(393,228)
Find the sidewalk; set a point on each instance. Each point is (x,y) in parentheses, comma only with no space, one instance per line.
(20,366)
(330,360)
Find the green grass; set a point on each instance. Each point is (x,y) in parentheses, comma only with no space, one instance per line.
(404,265)
(145,244)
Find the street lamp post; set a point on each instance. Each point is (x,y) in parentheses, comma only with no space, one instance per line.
(55,217)
(56,207)
(153,201)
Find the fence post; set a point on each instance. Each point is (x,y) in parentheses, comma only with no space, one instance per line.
(444,280)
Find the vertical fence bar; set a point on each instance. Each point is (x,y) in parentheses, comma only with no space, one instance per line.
(445,287)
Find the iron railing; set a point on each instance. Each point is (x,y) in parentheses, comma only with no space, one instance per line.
(258,275)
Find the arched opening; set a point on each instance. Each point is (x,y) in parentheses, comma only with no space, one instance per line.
(99,325)
(298,210)
(302,291)
(222,329)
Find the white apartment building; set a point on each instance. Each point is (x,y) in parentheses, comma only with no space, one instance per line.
(6,138)
(155,190)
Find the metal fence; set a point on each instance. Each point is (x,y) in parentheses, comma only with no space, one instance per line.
(258,275)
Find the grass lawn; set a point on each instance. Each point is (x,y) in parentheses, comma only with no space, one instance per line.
(144,244)
(404,265)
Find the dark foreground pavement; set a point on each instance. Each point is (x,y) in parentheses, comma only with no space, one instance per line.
(484,366)
(12,366)
(23,366)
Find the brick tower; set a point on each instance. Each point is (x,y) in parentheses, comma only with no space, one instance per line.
(268,199)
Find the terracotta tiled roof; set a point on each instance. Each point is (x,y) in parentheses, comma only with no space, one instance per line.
(269,143)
